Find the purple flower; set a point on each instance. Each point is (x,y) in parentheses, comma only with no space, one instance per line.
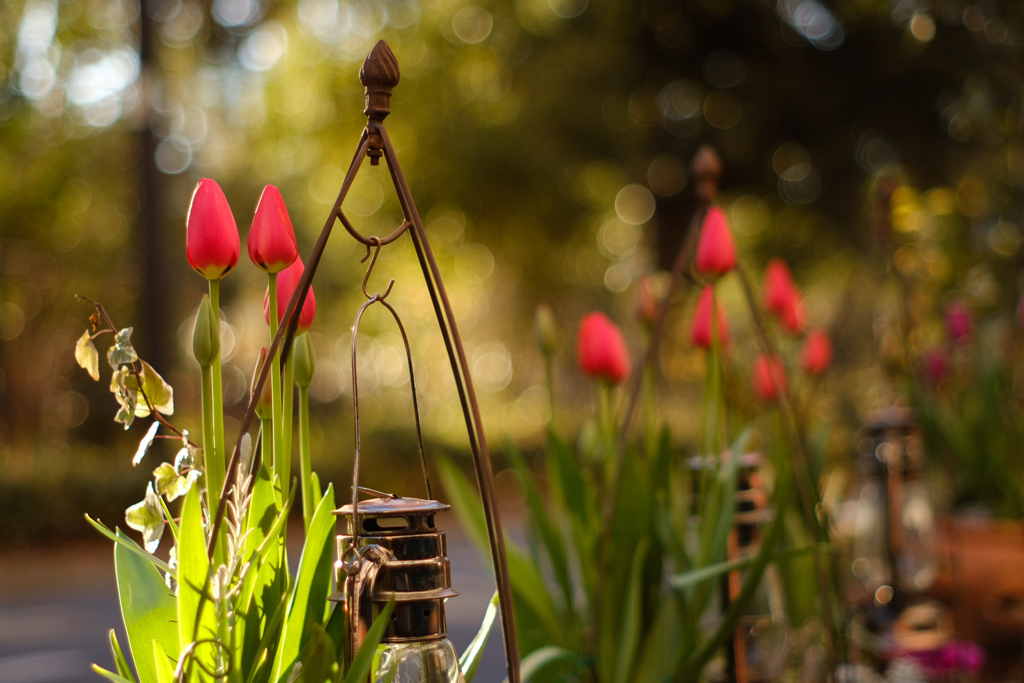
(959,323)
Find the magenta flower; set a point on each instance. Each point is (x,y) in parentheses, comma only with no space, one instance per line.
(769,378)
(782,297)
(716,252)
(271,241)
(700,330)
(601,349)
(287,283)
(211,236)
(817,352)
(959,323)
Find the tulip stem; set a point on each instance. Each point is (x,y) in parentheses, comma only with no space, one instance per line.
(213,481)
(650,397)
(215,458)
(308,502)
(277,429)
(288,417)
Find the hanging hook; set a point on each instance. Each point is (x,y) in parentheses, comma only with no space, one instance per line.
(377,244)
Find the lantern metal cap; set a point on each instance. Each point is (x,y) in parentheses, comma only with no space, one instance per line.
(393,507)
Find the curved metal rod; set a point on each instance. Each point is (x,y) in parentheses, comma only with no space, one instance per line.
(376,242)
(369,240)
(375,299)
(467,397)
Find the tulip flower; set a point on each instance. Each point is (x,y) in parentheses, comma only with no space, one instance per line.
(211,236)
(646,300)
(769,378)
(700,331)
(817,352)
(959,324)
(601,349)
(782,297)
(287,282)
(936,367)
(716,252)
(271,242)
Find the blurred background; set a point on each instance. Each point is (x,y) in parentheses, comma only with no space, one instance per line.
(874,145)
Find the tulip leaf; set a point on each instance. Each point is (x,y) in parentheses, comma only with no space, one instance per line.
(122,352)
(87,356)
(111,676)
(148,608)
(363,659)
(196,618)
(470,659)
(146,442)
(542,658)
(123,669)
(147,517)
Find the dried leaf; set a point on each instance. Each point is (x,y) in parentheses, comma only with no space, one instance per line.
(125,387)
(146,442)
(87,355)
(147,516)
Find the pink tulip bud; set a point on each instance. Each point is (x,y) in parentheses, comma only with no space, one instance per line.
(817,353)
(646,300)
(959,323)
(769,378)
(700,331)
(601,349)
(271,241)
(716,252)
(782,297)
(211,236)
(287,283)
(935,367)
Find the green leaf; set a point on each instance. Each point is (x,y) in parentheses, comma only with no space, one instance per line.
(308,603)
(111,676)
(539,660)
(146,442)
(87,356)
(196,617)
(164,670)
(630,628)
(171,484)
(125,387)
(120,662)
(318,658)
(362,660)
(148,608)
(122,352)
(147,516)
(130,545)
(470,659)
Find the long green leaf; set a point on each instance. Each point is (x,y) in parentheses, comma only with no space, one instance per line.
(308,603)
(131,545)
(362,660)
(196,615)
(123,668)
(164,670)
(539,660)
(110,675)
(148,608)
(632,628)
(470,659)
(541,518)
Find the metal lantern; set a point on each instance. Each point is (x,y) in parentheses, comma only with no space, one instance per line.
(392,550)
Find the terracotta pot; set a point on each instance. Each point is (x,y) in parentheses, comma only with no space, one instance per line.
(981,577)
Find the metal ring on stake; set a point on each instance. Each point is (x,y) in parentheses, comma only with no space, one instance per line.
(379,299)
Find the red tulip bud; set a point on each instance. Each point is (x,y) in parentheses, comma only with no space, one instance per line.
(211,236)
(271,241)
(716,252)
(781,296)
(287,282)
(817,353)
(602,350)
(700,332)
(959,324)
(936,367)
(769,378)
(646,300)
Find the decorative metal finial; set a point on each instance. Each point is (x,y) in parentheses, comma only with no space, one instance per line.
(379,75)
(707,170)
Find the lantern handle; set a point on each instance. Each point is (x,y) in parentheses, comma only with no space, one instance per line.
(379,299)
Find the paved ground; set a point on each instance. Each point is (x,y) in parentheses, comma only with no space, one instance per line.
(58,606)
